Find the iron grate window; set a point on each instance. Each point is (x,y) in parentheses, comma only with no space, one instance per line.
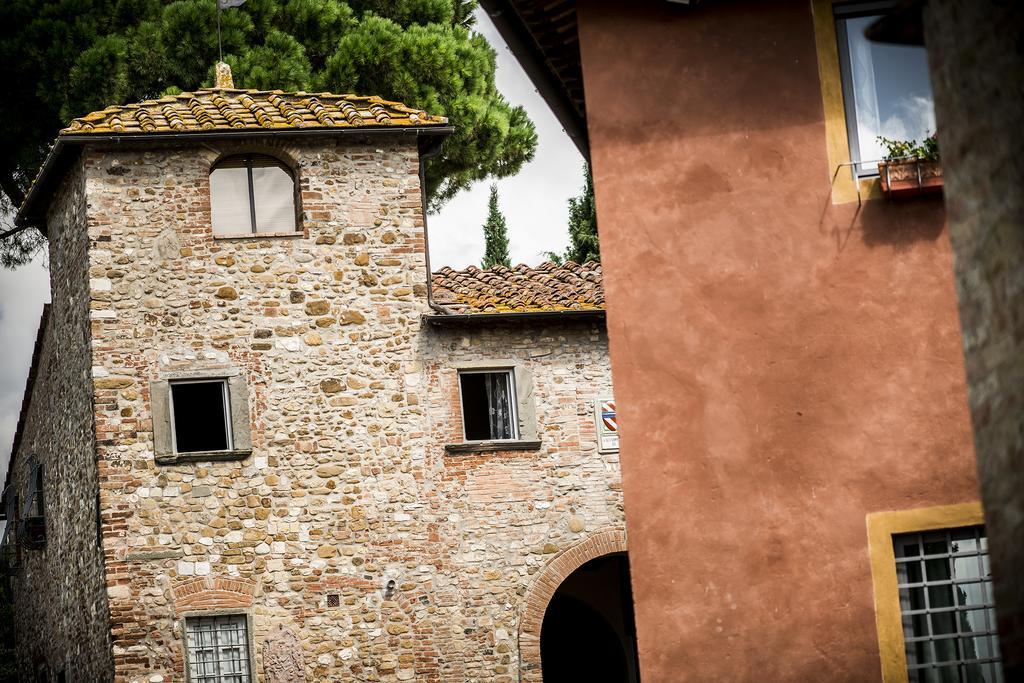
(945,588)
(218,649)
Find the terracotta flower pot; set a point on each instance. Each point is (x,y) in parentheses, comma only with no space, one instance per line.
(910,178)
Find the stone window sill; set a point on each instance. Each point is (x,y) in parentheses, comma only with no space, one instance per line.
(202,456)
(492,446)
(257,235)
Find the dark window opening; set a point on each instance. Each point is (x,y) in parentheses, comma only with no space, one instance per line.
(36,508)
(488,405)
(199,416)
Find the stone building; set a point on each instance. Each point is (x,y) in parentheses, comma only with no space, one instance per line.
(260,444)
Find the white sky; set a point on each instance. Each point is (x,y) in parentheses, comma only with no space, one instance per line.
(534,203)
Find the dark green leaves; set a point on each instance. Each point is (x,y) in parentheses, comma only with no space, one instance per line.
(495,235)
(66,58)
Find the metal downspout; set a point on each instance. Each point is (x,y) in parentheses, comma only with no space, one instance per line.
(429,152)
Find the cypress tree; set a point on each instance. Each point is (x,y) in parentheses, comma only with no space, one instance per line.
(495,235)
(583,243)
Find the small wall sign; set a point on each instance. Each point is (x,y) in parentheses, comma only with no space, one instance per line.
(607,426)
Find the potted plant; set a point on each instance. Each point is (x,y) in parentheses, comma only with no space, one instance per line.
(910,168)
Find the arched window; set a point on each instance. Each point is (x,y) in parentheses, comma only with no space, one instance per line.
(251,193)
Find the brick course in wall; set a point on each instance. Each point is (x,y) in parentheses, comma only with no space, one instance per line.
(349,524)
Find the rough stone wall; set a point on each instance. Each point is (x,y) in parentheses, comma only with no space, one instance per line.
(977,62)
(60,610)
(339,528)
(507,515)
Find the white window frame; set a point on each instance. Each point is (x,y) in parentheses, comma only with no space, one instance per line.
(225,397)
(513,400)
(841,13)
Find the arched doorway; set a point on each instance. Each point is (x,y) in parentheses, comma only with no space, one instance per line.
(588,632)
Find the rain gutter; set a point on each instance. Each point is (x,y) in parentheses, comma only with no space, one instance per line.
(595,314)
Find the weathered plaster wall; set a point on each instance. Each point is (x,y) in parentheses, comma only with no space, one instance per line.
(60,603)
(782,366)
(977,67)
(348,525)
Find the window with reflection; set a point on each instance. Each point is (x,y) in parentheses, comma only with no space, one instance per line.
(886,87)
(949,623)
(252,193)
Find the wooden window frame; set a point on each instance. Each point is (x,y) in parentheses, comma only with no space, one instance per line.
(512,401)
(238,415)
(524,411)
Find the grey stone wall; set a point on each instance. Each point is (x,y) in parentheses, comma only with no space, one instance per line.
(348,526)
(977,65)
(59,595)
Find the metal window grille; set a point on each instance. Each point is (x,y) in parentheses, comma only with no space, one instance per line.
(218,649)
(945,588)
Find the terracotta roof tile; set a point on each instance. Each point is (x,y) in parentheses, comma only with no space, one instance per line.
(547,287)
(232,109)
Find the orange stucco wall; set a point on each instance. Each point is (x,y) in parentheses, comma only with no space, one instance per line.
(782,366)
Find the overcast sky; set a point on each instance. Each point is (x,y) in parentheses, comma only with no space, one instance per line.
(534,203)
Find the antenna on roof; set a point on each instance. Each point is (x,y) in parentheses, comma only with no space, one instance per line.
(223,5)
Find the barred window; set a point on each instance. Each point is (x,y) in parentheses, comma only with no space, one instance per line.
(218,649)
(945,588)
(251,193)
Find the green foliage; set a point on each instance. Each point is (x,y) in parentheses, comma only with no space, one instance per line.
(495,235)
(928,150)
(64,58)
(583,242)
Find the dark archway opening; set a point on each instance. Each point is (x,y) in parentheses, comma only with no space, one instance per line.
(588,632)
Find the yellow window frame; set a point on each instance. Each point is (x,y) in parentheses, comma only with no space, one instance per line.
(882,526)
(837,143)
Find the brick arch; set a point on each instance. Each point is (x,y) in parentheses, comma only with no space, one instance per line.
(279,149)
(213,592)
(598,544)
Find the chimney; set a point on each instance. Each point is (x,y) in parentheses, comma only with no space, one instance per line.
(224,80)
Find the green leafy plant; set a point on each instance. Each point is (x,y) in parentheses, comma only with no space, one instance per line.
(907,150)
(65,58)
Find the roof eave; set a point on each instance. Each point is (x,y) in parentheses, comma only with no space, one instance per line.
(525,317)
(520,41)
(30,215)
